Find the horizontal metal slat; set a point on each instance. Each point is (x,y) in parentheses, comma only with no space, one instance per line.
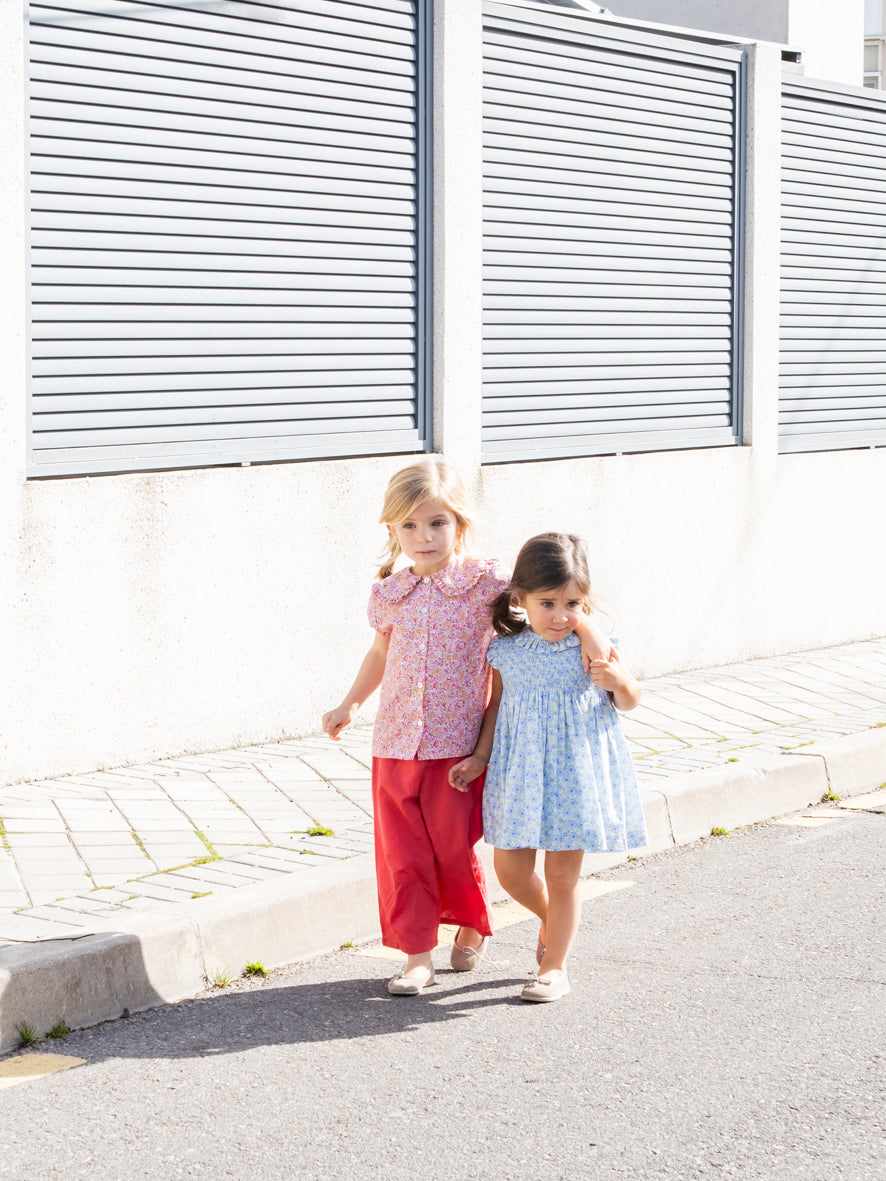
(541,430)
(63,461)
(589,201)
(95,157)
(391,33)
(348,399)
(70,122)
(575,445)
(136,45)
(568,78)
(302,368)
(594,55)
(500,249)
(178,434)
(617,362)
(562,387)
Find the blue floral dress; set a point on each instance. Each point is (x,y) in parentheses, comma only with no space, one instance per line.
(560,775)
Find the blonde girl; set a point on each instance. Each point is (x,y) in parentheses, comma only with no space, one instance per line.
(432,629)
(560,776)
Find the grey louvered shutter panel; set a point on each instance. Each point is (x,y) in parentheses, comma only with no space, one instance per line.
(224,232)
(611,214)
(833,290)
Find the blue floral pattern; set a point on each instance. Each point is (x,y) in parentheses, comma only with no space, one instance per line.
(561,775)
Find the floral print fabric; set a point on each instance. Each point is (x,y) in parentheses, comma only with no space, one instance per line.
(561,775)
(436,681)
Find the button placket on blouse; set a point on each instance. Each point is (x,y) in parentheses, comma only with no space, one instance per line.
(424,634)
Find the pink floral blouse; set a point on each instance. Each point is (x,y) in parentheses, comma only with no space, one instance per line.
(436,681)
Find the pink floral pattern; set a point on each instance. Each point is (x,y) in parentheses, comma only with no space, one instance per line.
(436,681)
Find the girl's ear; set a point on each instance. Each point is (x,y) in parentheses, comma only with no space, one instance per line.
(516,599)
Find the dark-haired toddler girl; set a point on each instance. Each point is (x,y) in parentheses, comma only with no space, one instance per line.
(560,776)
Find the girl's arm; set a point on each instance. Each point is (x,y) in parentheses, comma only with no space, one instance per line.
(622,687)
(365,683)
(474,765)
(594,645)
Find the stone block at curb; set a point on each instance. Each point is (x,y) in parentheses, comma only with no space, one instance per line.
(854,764)
(728,797)
(153,961)
(278,922)
(658,820)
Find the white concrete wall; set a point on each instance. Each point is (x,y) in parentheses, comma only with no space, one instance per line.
(830,36)
(148,615)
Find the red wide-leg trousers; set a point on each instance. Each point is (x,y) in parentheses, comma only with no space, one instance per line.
(427,869)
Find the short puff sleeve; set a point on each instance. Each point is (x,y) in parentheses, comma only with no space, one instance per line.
(379,611)
(496,651)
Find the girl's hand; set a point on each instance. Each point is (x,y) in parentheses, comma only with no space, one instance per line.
(605,672)
(594,645)
(465,772)
(335,721)
(612,676)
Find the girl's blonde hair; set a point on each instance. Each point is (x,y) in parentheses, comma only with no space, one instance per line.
(432,479)
(544,563)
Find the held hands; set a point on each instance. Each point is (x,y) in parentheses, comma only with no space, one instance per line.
(465,772)
(335,721)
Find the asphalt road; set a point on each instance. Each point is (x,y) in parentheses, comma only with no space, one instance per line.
(728,1019)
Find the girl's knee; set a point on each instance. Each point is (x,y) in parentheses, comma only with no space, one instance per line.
(562,874)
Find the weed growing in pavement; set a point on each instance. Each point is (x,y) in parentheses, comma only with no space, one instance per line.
(205,860)
(213,856)
(317,830)
(255,969)
(59,1031)
(4,839)
(27,1033)
(732,760)
(307,853)
(219,979)
(201,893)
(829,797)
(345,946)
(718,832)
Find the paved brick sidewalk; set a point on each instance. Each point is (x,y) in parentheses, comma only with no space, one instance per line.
(77,850)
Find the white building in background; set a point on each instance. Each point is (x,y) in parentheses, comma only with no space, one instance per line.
(246,276)
(828,34)
(874,43)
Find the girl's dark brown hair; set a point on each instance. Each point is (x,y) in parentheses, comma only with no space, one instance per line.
(545,562)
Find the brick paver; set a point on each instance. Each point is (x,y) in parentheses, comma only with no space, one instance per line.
(75,850)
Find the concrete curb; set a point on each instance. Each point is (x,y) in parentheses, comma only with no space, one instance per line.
(147,960)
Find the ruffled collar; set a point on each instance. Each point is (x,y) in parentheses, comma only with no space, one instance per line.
(528,639)
(452,580)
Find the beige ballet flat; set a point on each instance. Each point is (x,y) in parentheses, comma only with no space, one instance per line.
(465,959)
(414,985)
(550,987)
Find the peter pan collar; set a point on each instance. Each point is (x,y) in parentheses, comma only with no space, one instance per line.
(453,580)
(528,639)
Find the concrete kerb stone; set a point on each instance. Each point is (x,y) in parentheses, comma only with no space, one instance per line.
(82,981)
(732,796)
(283,920)
(854,764)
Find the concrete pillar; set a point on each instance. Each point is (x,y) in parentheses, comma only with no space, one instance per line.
(458,231)
(762,251)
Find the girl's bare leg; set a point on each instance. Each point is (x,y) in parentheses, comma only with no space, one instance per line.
(562,874)
(422,960)
(515,870)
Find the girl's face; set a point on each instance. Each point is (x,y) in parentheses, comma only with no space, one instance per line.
(554,614)
(428,537)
